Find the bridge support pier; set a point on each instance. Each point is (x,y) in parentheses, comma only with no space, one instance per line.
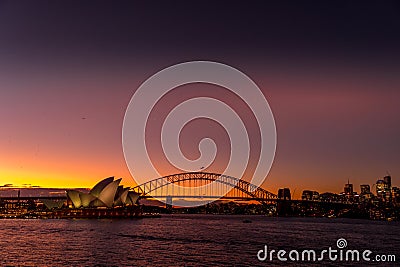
(284,208)
(168,202)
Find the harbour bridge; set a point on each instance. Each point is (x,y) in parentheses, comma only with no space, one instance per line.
(192,185)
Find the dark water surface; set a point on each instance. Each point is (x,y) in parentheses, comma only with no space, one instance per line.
(187,240)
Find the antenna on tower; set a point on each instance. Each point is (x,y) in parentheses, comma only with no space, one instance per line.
(387,172)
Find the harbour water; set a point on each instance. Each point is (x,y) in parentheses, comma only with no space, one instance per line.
(187,240)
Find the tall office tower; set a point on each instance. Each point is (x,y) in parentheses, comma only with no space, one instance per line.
(380,188)
(348,188)
(284,193)
(388,180)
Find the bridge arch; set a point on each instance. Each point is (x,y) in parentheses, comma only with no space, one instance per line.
(250,190)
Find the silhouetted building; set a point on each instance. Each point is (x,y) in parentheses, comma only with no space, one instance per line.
(366,194)
(388,181)
(365,189)
(329,197)
(284,193)
(306,195)
(284,207)
(310,195)
(348,189)
(396,195)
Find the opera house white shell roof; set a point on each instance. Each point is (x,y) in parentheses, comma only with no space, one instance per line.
(106,193)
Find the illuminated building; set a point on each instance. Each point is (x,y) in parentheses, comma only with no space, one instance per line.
(329,197)
(396,195)
(380,188)
(310,195)
(383,188)
(306,195)
(106,193)
(365,192)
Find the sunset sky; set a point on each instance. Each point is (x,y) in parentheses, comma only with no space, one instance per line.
(330,73)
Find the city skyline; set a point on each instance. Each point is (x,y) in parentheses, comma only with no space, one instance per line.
(159,196)
(349,189)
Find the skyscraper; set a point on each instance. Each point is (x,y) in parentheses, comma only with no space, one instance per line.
(348,188)
(388,180)
(284,193)
(365,194)
(380,188)
(383,188)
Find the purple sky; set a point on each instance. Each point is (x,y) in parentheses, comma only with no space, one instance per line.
(330,74)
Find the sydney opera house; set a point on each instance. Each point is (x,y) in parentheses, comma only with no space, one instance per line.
(106,193)
(107,199)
